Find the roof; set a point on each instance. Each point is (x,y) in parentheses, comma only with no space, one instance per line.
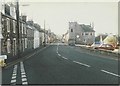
(28,26)
(87,28)
(97,39)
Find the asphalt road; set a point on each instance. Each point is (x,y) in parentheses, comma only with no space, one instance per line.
(62,64)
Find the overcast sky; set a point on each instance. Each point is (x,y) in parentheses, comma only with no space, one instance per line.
(58,14)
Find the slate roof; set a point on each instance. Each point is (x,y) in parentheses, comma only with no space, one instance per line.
(87,28)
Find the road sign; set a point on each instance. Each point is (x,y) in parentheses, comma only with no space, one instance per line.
(3,56)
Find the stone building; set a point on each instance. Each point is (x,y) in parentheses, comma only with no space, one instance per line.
(9,32)
(81,33)
(30,35)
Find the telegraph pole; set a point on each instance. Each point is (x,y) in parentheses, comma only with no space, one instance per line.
(44,35)
(0,40)
(18,37)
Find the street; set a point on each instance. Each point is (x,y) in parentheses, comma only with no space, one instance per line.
(59,63)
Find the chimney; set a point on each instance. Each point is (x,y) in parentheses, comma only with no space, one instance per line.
(24,18)
(12,11)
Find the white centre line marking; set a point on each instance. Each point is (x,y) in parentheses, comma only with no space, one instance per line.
(13,80)
(82,64)
(64,58)
(110,73)
(59,54)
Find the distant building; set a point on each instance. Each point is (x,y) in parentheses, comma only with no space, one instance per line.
(36,35)
(81,33)
(65,37)
(30,35)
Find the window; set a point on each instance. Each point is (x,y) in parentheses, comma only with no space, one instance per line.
(84,40)
(90,33)
(8,46)
(8,25)
(71,30)
(19,27)
(25,29)
(14,46)
(14,26)
(25,42)
(86,33)
(22,28)
(82,34)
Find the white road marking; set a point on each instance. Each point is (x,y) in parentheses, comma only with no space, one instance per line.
(64,58)
(23,74)
(82,64)
(13,77)
(110,73)
(14,74)
(24,79)
(25,83)
(13,80)
(59,54)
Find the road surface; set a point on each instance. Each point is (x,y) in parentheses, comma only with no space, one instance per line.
(59,63)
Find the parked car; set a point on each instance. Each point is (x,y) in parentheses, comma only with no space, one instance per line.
(105,47)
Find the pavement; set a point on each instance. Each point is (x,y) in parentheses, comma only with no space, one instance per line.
(86,46)
(60,64)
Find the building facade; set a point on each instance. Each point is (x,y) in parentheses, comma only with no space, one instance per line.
(81,33)
(9,32)
(30,35)
(65,37)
